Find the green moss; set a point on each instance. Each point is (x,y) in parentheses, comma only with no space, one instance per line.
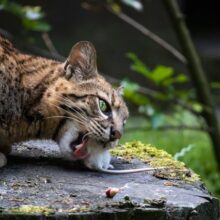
(30,209)
(74,210)
(156,158)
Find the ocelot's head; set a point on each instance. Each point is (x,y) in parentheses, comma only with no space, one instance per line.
(91,108)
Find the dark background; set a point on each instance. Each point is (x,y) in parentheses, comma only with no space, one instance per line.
(113,38)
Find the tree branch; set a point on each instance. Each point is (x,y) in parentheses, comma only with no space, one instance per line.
(197,73)
(52,53)
(48,42)
(45,53)
(148,34)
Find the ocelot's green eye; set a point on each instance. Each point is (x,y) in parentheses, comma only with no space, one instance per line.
(103,105)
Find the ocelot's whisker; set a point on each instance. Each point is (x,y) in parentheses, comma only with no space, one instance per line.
(75,107)
(82,114)
(95,127)
(98,125)
(72,115)
(57,116)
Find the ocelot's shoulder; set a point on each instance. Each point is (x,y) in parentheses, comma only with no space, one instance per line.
(4,42)
(6,47)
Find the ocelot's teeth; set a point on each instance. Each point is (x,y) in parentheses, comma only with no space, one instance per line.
(81,151)
(77,146)
(75,143)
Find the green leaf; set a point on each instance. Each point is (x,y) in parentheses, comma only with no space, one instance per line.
(181,78)
(115,7)
(137,65)
(183,94)
(197,107)
(130,86)
(140,69)
(136,98)
(161,73)
(215,85)
(131,93)
(36,25)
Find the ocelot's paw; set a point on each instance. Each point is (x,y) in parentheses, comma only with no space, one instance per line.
(3,160)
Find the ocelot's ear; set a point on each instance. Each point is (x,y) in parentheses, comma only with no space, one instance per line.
(81,63)
(120,90)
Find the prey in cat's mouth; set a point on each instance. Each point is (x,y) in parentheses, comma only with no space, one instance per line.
(79,147)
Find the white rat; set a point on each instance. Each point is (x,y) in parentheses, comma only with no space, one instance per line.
(99,159)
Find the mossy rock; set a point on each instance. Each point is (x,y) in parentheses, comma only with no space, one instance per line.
(156,158)
(50,188)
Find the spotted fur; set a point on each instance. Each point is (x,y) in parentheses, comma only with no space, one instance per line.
(42,98)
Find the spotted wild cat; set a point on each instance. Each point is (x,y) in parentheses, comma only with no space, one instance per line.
(68,102)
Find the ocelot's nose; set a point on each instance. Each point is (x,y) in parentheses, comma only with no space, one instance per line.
(115,134)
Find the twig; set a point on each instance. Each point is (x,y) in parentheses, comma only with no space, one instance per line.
(48,42)
(149,34)
(36,50)
(45,53)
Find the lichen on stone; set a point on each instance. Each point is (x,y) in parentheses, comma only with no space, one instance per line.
(74,210)
(156,158)
(31,209)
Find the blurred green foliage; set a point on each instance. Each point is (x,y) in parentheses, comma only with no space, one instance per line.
(161,75)
(170,103)
(165,98)
(31,17)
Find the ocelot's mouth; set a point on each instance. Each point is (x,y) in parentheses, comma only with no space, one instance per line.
(79,147)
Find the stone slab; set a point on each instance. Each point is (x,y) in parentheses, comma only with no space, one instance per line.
(36,176)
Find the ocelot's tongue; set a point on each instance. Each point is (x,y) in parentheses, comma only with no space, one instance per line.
(80,151)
